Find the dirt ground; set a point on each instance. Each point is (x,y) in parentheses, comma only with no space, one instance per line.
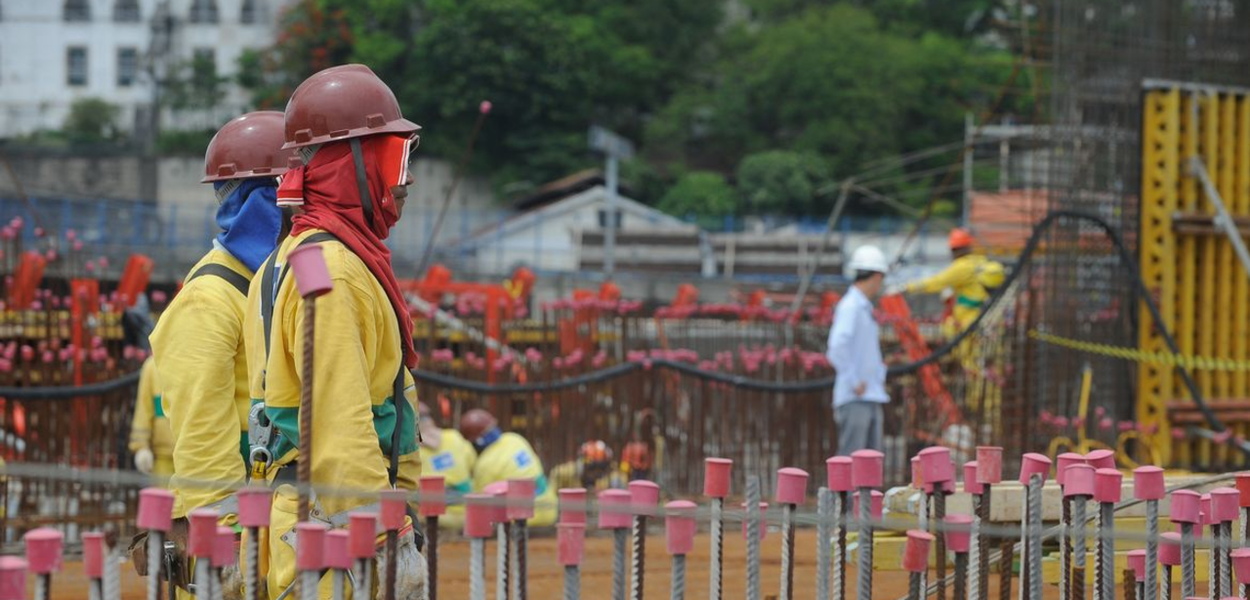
(547,577)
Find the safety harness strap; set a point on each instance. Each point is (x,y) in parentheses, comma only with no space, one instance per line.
(234,278)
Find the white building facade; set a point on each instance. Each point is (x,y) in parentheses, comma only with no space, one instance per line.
(54,52)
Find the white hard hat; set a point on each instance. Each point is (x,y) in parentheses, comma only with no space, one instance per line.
(868,258)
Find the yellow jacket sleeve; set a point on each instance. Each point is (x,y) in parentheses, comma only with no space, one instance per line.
(512,457)
(197,350)
(959,274)
(145,408)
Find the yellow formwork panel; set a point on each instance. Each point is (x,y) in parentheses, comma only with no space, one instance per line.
(1241,205)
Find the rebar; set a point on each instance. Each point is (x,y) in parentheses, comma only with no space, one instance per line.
(1213,564)
(864,571)
(787,552)
(638,561)
(1005,561)
(477,571)
(431,555)
(521,537)
(1104,558)
(1065,549)
(392,562)
(1187,560)
(1035,538)
(1165,590)
(961,576)
(156,546)
(939,517)
(93,589)
(924,522)
(753,537)
(717,549)
(303,467)
(340,584)
(824,510)
(203,587)
(679,577)
(363,587)
(43,586)
(308,584)
(572,583)
(1152,548)
(984,569)
(1078,549)
(620,541)
(112,583)
(842,511)
(974,552)
(502,562)
(1226,562)
(913,586)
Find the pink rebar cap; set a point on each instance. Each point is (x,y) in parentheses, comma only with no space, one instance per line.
(520,499)
(394,508)
(644,496)
(763,521)
(989,464)
(1033,464)
(1080,480)
(337,554)
(1204,510)
(1108,485)
(959,532)
(916,553)
(1137,562)
(308,265)
(572,505)
(433,502)
(1148,483)
(363,529)
(614,509)
(1241,563)
(867,469)
(791,486)
(838,470)
(477,515)
(971,485)
(1101,459)
(1224,504)
(1170,549)
(917,474)
(935,464)
(1186,506)
(43,550)
(12,578)
(570,541)
(1243,486)
(156,508)
(203,530)
(876,507)
(1062,462)
(224,551)
(93,554)
(716,477)
(310,546)
(254,506)
(679,526)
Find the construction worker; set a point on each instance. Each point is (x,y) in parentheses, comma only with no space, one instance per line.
(970,276)
(346,126)
(445,452)
(593,469)
(503,456)
(150,437)
(855,352)
(198,344)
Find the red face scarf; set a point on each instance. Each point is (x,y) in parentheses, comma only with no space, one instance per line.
(330,195)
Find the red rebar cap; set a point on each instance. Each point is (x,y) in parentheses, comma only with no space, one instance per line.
(1148,483)
(644,496)
(935,465)
(310,546)
(958,532)
(838,470)
(43,550)
(570,541)
(394,509)
(1224,504)
(1062,462)
(93,554)
(1101,459)
(1170,549)
(12,578)
(572,505)
(254,506)
(679,527)
(1080,480)
(1186,506)
(916,553)
(989,465)
(156,508)
(971,485)
(477,515)
(363,529)
(867,469)
(716,477)
(1243,486)
(225,548)
(876,507)
(614,509)
(520,496)
(1034,464)
(337,551)
(1108,485)
(791,486)
(433,496)
(1137,562)
(1241,563)
(203,530)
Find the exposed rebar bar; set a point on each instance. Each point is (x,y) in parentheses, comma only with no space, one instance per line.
(679,577)
(864,571)
(477,570)
(842,511)
(1078,548)
(431,555)
(638,564)
(1065,547)
(1035,538)
(156,545)
(939,518)
(572,583)
(251,571)
(753,537)
(1152,549)
(717,549)
(961,576)
(787,552)
(503,562)
(1187,560)
(620,542)
(824,512)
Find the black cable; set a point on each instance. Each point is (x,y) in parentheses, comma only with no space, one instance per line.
(65,392)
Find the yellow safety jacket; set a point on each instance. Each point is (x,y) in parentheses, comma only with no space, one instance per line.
(512,457)
(961,277)
(149,428)
(198,350)
(454,459)
(569,475)
(357,356)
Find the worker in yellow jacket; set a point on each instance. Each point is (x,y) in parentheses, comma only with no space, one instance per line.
(198,344)
(445,452)
(503,456)
(970,277)
(150,438)
(350,191)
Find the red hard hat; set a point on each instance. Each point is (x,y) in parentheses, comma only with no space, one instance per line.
(595,451)
(248,146)
(341,103)
(475,423)
(960,238)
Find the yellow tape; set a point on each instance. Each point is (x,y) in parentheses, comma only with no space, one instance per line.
(1195,363)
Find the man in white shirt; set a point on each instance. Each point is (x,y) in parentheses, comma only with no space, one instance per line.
(855,353)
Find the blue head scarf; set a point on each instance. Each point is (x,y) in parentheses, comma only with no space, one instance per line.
(250,220)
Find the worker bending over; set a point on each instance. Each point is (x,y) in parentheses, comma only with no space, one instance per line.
(503,456)
(150,438)
(593,469)
(445,452)
(971,277)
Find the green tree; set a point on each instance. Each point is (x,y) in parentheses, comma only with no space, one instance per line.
(194,85)
(781,182)
(91,120)
(700,194)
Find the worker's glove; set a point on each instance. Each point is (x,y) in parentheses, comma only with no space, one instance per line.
(894,289)
(144,461)
(232,582)
(411,572)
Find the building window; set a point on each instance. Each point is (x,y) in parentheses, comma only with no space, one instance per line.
(127,66)
(204,11)
(126,11)
(248,14)
(603,219)
(76,66)
(77,10)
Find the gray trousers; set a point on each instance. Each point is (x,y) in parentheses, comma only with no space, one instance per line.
(861,426)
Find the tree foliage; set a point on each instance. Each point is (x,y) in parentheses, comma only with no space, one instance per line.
(700,194)
(91,120)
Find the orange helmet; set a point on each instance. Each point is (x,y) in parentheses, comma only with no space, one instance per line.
(248,146)
(595,451)
(340,103)
(960,238)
